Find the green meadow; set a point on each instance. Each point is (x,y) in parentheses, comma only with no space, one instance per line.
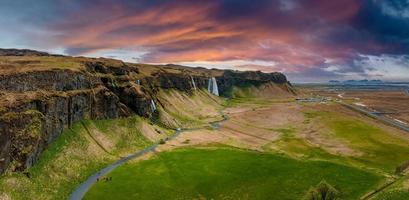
(228,173)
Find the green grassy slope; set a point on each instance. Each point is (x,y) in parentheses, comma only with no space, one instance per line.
(73,157)
(188,110)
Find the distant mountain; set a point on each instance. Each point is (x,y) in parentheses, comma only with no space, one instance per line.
(357,82)
(334,82)
(363,82)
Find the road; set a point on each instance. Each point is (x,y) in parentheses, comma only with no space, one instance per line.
(377,116)
(82,189)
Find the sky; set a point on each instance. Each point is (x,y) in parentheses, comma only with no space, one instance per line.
(308,40)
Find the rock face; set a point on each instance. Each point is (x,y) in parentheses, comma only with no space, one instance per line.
(36,106)
(56,80)
(243,79)
(52,113)
(21,138)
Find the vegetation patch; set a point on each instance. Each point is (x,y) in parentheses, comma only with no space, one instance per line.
(393,195)
(125,132)
(323,191)
(399,190)
(228,174)
(254,102)
(381,149)
(291,145)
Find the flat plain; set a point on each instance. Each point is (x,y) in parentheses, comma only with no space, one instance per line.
(264,143)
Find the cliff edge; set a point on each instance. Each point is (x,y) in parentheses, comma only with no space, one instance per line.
(42,94)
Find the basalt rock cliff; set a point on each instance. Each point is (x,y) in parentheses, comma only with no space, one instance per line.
(42,95)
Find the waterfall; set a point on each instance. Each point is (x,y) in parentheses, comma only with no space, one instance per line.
(209,85)
(138,82)
(215,88)
(153,105)
(193,82)
(212,86)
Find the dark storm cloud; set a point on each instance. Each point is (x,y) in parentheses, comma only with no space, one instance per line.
(383,21)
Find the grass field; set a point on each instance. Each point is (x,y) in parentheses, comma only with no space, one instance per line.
(228,174)
(380,149)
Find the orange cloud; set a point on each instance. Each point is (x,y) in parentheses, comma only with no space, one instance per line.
(189,32)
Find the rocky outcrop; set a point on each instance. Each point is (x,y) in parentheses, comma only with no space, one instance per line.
(229,79)
(21,139)
(55,80)
(180,81)
(22,52)
(51,114)
(36,106)
(105,68)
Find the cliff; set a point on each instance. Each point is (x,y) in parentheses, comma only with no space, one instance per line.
(42,94)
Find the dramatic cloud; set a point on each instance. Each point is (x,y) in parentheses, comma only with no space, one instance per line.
(314,40)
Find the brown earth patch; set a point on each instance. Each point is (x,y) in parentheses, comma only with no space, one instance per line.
(101,138)
(150,132)
(276,116)
(196,137)
(319,136)
(5,197)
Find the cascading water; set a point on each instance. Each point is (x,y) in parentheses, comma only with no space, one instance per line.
(193,83)
(153,105)
(138,82)
(209,85)
(215,88)
(212,86)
